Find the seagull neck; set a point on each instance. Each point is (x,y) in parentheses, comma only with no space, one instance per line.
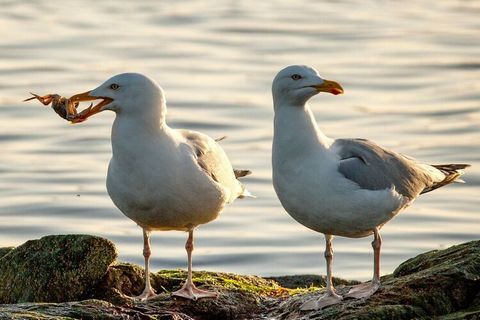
(296,126)
(132,132)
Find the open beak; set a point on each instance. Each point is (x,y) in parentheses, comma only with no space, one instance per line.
(92,109)
(329,86)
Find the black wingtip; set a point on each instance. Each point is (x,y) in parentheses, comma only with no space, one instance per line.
(452,173)
(220,138)
(452,166)
(241,173)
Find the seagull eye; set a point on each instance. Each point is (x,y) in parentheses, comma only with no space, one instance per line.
(114,86)
(296,77)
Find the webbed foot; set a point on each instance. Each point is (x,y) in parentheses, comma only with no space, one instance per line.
(147,294)
(363,290)
(189,291)
(328,299)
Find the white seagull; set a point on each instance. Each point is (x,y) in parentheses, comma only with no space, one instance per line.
(161,178)
(344,187)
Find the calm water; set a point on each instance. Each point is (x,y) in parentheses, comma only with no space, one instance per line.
(412,80)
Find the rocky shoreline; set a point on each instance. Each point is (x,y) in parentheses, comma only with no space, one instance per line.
(78,277)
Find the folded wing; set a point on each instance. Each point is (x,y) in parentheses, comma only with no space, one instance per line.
(213,160)
(373,167)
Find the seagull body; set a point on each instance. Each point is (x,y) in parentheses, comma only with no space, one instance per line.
(161,178)
(343,187)
(156,179)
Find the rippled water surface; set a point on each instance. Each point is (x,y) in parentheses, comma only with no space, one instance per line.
(411,73)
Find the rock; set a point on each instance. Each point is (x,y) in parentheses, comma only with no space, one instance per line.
(87,309)
(240,297)
(5,250)
(54,268)
(440,284)
(439,281)
(309,280)
(436,283)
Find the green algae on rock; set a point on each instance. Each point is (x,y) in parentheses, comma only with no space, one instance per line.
(240,297)
(127,279)
(54,268)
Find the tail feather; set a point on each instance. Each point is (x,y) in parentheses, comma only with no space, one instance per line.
(450,167)
(241,173)
(246,194)
(451,171)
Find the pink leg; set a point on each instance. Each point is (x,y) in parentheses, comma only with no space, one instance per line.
(330,297)
(189,291)
(365,290)
(148,292)
(376,245)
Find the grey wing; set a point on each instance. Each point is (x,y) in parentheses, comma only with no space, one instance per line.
(373,167)
(213,160)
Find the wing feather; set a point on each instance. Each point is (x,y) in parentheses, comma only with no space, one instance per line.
(213,160)
(373,167)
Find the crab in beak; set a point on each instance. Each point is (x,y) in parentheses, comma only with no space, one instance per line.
(61,105)
(92,109)
(329,86)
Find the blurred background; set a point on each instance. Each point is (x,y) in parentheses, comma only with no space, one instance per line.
(411,73)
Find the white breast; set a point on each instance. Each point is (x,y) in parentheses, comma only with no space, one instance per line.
(311,189)
(155,181)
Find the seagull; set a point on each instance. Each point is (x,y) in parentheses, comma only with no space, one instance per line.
(161,178)
(342,187)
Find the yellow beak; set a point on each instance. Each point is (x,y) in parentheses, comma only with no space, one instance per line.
(92,109)
(329,86)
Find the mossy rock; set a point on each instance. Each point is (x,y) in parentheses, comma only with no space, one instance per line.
(309,280)
(87,309)
(240,297)
(54,268)
(438,284)
(5,250)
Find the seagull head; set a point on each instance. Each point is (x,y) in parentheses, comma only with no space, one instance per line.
(294,85)
(128,94)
